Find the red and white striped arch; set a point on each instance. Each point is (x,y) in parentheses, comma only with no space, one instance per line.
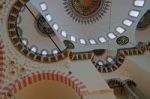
(2,69)
(38,76)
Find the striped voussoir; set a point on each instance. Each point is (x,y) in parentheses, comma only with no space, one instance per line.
(38,76)
(121,56)
(118,82)
(2,69)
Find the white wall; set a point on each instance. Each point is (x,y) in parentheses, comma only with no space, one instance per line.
(139,69)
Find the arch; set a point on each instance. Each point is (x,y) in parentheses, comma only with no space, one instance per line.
(38,76)
(121,56)
(2,69)
(118,82)
(125,84)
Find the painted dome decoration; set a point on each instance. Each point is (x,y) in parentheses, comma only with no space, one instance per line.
(86,11)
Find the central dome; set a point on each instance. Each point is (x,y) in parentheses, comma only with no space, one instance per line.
(86,7)
(86,11)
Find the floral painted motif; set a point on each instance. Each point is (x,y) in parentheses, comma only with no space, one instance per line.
(86,11)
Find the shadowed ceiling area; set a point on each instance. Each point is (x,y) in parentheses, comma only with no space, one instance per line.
(47,90)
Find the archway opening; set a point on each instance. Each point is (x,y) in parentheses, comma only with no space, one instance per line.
(47,90)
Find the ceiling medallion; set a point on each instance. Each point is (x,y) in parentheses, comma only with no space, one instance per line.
(86,11)
(122,40)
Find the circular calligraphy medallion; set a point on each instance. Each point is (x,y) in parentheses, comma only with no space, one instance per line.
(123,40)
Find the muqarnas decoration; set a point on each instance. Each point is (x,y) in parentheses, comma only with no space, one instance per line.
(86,11)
